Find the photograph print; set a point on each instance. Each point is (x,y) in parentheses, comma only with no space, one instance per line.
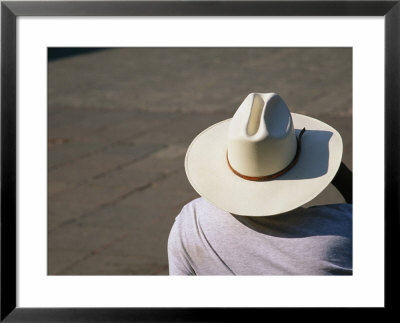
(200,161)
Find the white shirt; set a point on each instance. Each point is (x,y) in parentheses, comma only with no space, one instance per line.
(205,240)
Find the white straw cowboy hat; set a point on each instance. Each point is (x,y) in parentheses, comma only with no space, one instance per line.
(261,162)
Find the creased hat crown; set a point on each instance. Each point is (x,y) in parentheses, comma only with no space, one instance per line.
(261,137)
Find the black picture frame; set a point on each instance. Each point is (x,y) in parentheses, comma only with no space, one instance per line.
(10,10)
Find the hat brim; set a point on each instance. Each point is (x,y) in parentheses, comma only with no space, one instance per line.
(208,172)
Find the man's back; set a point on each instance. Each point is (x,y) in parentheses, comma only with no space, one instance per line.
(306,241)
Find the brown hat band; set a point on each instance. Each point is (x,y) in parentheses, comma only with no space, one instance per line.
(275,175)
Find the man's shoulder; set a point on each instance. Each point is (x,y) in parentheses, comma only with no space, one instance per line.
(193,204)
(191,221)
(199,215)
(198,207)
(199,202)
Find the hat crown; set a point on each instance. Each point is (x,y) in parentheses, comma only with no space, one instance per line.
(261,137)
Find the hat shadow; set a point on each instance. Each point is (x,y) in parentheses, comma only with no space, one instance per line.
(305,222)
(314,156)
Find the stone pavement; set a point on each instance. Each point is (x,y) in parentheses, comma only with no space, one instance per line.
(119,124)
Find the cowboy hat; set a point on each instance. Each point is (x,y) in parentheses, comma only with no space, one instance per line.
(265,160)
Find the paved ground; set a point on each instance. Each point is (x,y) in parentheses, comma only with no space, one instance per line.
(119,123)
